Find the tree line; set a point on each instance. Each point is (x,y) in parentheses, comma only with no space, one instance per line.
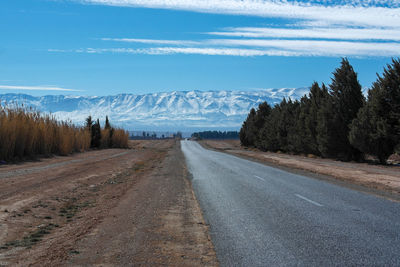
(335,121)
(216,135)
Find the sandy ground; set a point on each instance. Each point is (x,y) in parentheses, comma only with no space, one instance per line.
(106,207)
(382,180)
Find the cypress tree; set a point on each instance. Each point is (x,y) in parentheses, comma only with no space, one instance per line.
(303,140)
(107,124)
(89,123)
(269,133)
(96,134)
(347,99)
(376,130)
(247,133)
(316,98)
(291,117)
(260,118)
(325,125)
(283,125)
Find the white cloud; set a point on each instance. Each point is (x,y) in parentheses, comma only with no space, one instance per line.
(319,47)
(360,13)
(212,51)
(318,28)
(152,41)
(257,47)
(392,34)
(36,88)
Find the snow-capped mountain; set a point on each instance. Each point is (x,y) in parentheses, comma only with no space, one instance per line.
(189,110)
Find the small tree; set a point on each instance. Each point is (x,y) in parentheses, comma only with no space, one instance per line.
(107,124)
(89,123)
(110,132)
(96,134)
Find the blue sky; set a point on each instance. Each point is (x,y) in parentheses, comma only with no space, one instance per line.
(106,47)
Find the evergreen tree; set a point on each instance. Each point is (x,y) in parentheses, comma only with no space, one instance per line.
(376,130)
(287,134)
(338,112)
(261,114)
(89,123)
(282,125)
(216,135)
(326,130)
(260,118)
(269,133)
(303,140)
(96,134)
(316,98)
(247,133)
(107,124)
(347,100)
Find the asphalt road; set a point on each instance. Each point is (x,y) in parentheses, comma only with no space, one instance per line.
(263,216)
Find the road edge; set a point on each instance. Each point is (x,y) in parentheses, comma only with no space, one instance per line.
(319,176)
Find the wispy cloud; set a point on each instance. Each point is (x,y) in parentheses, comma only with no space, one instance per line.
(152,41)
(360,13)
(212,51)
(255,47)
(361,28)
(36,88)
(340,33)
(319,47)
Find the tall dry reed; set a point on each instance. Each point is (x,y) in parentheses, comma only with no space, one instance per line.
(25,133)
(120,138)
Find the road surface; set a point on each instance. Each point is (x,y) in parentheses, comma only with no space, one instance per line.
(263,216)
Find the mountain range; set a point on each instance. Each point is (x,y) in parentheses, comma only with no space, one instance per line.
(178,110)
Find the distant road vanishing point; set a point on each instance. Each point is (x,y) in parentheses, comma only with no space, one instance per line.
(263,216)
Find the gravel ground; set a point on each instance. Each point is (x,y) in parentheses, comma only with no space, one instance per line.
(120,207)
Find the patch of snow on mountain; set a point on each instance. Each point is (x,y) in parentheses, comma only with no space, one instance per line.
(167,111)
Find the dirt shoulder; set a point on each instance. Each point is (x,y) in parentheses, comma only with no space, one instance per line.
(376,179)
(108,207)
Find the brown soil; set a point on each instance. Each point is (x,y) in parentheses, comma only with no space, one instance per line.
(106,207)
(382,180)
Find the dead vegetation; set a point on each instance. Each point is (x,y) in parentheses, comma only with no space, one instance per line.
(26,133)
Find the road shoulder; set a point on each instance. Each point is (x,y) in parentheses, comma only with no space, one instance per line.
(382,181)
(158,222)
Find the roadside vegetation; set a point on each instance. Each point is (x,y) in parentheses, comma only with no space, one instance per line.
(335,122)
(26,133)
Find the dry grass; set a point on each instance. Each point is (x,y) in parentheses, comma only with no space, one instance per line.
(25,133)
(120,138)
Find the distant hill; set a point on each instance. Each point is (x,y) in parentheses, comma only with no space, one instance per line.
(179,110)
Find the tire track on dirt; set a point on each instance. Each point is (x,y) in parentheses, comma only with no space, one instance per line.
(71,172)
(19,172)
